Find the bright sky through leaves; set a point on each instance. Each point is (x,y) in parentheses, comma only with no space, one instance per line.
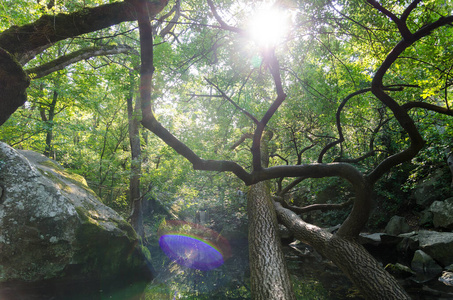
(269,26)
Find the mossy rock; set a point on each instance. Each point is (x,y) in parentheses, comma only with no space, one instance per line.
(54,228)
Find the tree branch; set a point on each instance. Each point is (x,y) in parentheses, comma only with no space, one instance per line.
(28,40)
(76,56)
(338,123)
(225,96)
(399,112)
(428,106)
(222,23)
(320,207)
(171,24)
(400,23)
(274,68)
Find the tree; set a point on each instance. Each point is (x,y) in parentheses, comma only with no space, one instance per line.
(341,247)
(346,52)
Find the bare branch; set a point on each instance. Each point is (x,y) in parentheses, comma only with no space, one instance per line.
(338,123)
(28,40)
(281,96)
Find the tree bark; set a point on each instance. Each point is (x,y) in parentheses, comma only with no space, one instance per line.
(136,166)
(363,270)
(13,85)
(49,127)
(268,272)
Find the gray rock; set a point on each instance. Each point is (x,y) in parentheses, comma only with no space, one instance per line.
(408,244)
(397,225)
(438,245)
(442,213)
(427,191)
(52,226)
(398,270)
(422,263)
(426,218)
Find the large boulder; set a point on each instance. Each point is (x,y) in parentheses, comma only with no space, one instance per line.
(429,189)
(423,264)
(53,228)
(442,213)
(397,225)
(438,245)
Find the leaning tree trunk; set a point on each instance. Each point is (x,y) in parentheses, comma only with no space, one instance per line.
(362,268)
(268,272)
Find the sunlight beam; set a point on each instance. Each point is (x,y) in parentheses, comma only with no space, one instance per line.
(269,26)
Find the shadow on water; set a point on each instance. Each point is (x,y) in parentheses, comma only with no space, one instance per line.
(73,290)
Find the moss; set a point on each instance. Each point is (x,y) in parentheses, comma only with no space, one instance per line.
(126,227)
(146,252)
(64,175)
(51,164)
(60,183)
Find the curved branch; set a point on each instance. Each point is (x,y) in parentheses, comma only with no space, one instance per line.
(241,140)
(76,56)
(399,112)
(28,40)
(400,23)
(339,127)
(222,23)
(171,24)
(320,207)
(428,106)
(281,96)
(338,123)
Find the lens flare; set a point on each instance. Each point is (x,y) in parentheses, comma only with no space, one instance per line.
(193,245)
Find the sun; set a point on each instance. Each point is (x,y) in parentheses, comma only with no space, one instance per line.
(269,26)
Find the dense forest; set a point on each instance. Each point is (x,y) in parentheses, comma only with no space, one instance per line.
(251,110)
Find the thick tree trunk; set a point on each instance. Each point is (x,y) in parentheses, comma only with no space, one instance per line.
(14,82)
(268,271)
(363,270)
